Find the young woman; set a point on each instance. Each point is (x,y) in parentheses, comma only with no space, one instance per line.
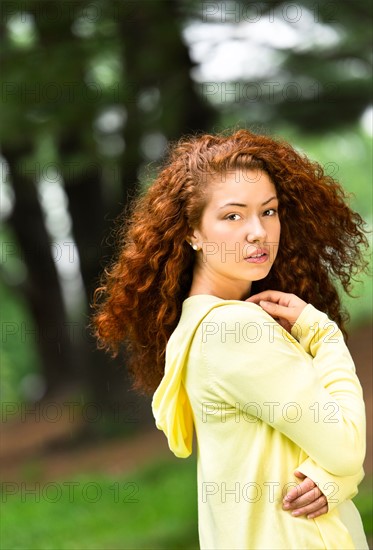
(224,291)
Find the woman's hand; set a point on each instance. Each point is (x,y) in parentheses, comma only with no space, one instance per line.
(284,308)
(306,499)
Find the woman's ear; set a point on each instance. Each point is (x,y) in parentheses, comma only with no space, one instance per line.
(193,241)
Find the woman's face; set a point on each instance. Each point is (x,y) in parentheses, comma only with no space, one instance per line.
(239,232)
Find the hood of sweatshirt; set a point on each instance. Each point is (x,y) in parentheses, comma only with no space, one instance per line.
(170,404)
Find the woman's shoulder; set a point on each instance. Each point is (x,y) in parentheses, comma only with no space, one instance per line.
(239,322)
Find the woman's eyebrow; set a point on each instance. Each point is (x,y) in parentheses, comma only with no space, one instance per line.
(233,204)
(269,200)
(245,205)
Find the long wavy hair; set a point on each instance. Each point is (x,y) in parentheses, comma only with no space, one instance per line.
(138,303)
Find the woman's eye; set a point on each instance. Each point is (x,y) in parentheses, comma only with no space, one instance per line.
(232,217)
(270,212)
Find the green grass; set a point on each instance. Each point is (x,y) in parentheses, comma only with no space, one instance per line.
(155,508)
(364,502)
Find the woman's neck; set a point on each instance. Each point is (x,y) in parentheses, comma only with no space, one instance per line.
(224,288)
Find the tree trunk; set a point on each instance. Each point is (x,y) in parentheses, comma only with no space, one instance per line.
(155,57)
(107,380)
(42,290)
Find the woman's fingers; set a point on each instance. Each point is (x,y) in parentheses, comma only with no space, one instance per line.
(275,296)
(304,488)
(305,499)
(308,498)
(312,510)
(320,512)
(281,312)
(280,305)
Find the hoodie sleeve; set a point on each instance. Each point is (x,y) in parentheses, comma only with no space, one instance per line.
(307,390)
(337,489)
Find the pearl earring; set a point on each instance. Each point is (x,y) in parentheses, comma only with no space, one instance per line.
(195,247)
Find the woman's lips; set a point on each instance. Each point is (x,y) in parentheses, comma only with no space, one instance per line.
(259,257)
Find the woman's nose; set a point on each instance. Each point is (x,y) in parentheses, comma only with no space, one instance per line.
(255,231)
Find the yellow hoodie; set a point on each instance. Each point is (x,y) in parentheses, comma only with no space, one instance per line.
(263,404)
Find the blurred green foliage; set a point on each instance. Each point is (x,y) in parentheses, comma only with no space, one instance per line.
(347,157)
(19,355)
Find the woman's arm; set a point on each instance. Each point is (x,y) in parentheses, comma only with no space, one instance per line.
(286,308)
(260,367)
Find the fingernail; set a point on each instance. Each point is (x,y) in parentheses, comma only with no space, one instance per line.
(286,505)
(295,513)
(310,516)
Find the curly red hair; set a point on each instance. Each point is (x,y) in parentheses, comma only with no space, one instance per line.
(140,298)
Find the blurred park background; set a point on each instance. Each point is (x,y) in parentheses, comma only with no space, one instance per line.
(92,93)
